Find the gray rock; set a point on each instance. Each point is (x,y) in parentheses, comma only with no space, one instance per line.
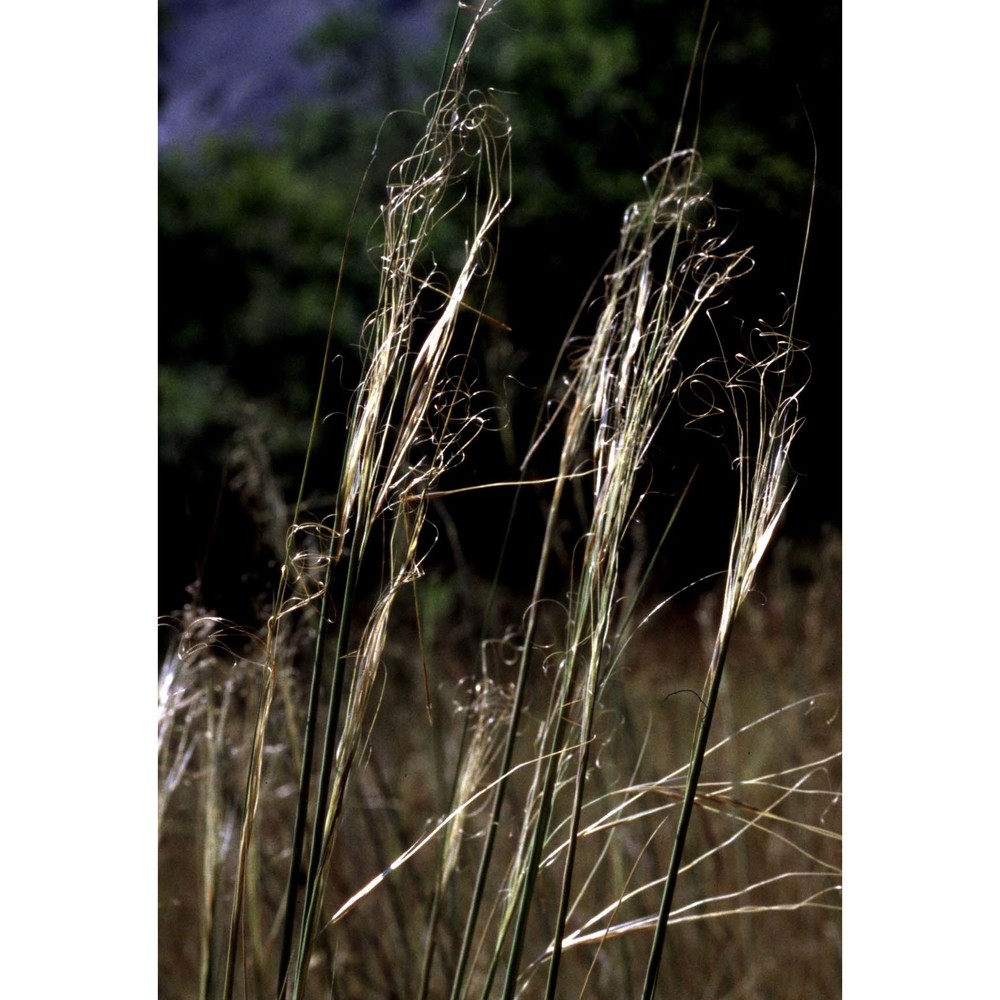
(229,65)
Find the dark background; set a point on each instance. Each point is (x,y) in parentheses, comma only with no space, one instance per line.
(269,109)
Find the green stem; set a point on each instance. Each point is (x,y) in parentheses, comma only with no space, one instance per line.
(694,773)
(567,882)
(312,890)
(302,808)
(541,828)
(508,752)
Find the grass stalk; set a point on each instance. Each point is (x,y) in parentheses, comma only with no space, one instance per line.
(388,422)
(762,499)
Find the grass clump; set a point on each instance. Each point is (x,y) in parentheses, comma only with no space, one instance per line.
(527,818)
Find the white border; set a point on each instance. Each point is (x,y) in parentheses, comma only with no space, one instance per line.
(78,87)
(920,364)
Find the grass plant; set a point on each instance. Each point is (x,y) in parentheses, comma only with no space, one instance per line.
(545,813)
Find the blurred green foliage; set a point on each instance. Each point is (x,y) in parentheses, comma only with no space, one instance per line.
(251,236)
(249,250)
